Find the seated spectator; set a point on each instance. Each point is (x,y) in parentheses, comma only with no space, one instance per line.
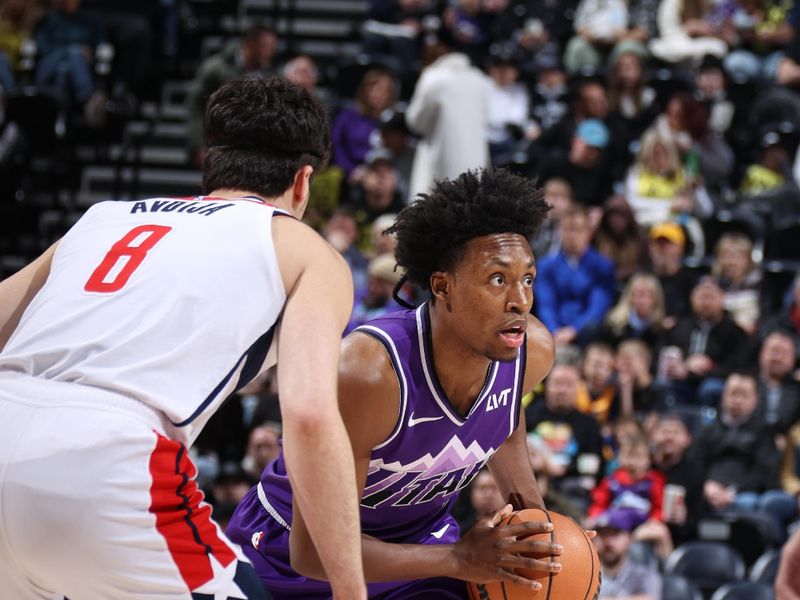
(619,237)
(66,39)
(623,579)
(484,499)
(711,345)
(632,102)
(382,277)
(638,314)
(710,86)
(342,232)
(567,440)
(778,390)
(589,100)
(656,187)
(738,454)
(788,319)
(667,249)
(303,71)
(263,446)
(549,97)
(354,126)
(382,242)
(740,279)
(509,107)
(764,29)
(690,29)
(634,379)
(251,56)
(396,139)
(634,491)
(597,393)
(584,165)
(601,25)
(772,169)
(17,19)
(558,194)
(671,441)
(375,194)
(575,286)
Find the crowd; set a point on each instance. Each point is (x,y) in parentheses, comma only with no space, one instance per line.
(665,136)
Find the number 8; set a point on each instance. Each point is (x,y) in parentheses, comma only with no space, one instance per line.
(120,249)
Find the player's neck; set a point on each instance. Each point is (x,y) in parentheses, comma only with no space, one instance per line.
(461,371)
(281,202)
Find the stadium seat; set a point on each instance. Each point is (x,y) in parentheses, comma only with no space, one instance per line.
(765,568)
(706,564)
(749,533)
(677,587)
(744,590)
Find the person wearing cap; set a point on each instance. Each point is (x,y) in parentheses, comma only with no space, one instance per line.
(772,169)
(449,111)
(667,246)
(623,579)
(585,164)
(382,277)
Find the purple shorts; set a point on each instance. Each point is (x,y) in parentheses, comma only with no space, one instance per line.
(266,543)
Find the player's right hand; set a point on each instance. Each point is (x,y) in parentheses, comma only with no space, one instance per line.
(491,551)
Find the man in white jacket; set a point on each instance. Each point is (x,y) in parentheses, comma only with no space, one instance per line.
(449,110)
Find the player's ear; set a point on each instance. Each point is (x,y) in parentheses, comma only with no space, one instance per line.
(440,286)
(300,189)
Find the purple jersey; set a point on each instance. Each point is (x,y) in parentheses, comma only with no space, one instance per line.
(415,475)
(433,452)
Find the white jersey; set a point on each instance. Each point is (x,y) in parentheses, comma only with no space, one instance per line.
(173,302)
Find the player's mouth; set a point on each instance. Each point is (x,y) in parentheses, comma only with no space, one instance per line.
(513,335)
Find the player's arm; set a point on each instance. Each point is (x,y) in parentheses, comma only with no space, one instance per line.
(511,465)
(17,291)
(369,396)
(316,449)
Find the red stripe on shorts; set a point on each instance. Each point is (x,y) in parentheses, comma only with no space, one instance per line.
(181,517)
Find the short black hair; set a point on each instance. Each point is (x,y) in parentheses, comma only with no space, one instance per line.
(433,231)
(260,132)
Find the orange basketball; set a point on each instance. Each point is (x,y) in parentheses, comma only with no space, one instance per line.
(579,578)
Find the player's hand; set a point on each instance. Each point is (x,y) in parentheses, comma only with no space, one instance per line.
(490,551)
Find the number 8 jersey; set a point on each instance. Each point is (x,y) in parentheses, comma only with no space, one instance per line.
(173,302)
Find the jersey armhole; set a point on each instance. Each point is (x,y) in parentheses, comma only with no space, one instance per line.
(383,338)
(523,363)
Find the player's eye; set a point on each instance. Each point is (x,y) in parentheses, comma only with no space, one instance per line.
(497,280)
(528,281)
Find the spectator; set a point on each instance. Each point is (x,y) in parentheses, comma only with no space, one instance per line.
(263,446)
(484,499)
(589,101)
(382,277)
(597,393)
(250,56)
(353,128)
(638,314)
(342,232)
(66,40)
(303,71)
(778,391)
(568,440)
(623,579)
(689,30)
(585,165)
(558,194)
(391,33)
(671,441)
(449,110)
(667,244)
(711,343)
(710,86)
(549,97)
(601,25)
(788,319)
(619,237)
(509,107)
(772,169)
(634,379)
(396,139)
(738,454)
(575,286)
(17,19)
(740,279)
(634,491)
(382,242)
(631,101)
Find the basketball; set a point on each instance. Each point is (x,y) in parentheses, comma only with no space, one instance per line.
(579,578)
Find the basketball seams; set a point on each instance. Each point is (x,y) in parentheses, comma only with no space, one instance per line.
(552,541)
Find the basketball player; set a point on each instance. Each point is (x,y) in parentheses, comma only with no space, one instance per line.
(123,339)
(429,396)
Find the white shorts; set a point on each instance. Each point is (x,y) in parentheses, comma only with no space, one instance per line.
(96,503)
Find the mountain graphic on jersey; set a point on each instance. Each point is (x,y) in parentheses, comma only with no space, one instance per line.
(426,478)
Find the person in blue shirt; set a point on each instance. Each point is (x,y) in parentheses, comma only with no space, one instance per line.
(574,286)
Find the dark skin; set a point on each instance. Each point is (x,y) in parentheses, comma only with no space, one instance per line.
(475,309)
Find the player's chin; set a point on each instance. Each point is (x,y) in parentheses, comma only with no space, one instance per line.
(503,353)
